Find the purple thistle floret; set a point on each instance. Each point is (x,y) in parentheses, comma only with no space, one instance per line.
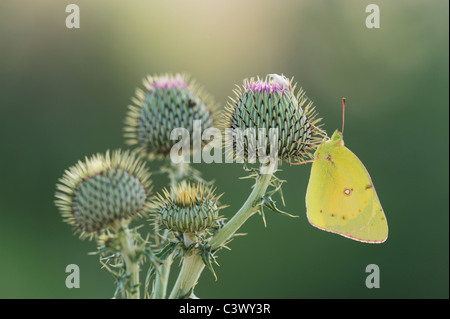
(272,83)
(166,82)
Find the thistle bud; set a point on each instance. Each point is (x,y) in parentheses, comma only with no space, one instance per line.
(168,102)
(270,110)
(187,208)
(103,190)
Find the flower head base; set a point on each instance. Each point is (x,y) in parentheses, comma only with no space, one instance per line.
(102,191)
(187,208)
(266,112)
(169,102)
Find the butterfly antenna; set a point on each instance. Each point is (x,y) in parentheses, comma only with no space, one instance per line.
(343,114)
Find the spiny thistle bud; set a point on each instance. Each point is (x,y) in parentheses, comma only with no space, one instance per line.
(103,190)
(169,102)
(187,208)
(271,111)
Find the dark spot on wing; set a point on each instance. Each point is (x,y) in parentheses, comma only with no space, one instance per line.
(368,187)
(329,159)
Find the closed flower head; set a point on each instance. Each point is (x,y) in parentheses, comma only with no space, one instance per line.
(187,208)
(267,113)
(102,191)
(168,102)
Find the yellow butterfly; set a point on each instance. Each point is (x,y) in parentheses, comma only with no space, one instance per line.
(341,197)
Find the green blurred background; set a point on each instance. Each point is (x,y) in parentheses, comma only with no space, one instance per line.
(64,93)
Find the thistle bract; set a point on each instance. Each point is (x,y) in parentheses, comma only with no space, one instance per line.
(103,190)
(169,102)
(187,208)
(268,114)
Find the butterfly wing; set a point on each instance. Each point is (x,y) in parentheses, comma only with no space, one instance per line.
(341,197)
(377,229)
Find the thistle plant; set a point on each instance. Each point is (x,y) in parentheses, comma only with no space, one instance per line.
(169,103)
(264,105)
(100,196)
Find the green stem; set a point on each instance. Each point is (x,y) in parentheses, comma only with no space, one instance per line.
(161,279)
(128,251)
(190,271)
(247,210)
(178,172)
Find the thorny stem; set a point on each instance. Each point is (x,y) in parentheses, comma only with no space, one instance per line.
(162,279)
(248,209)
(190,271)
(193,265)
(128,251)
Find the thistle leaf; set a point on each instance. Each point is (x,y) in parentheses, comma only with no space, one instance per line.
(270,203)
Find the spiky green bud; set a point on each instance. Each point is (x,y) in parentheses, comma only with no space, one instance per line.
(103,190)
(187,208)
(169,102)
(270,104)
